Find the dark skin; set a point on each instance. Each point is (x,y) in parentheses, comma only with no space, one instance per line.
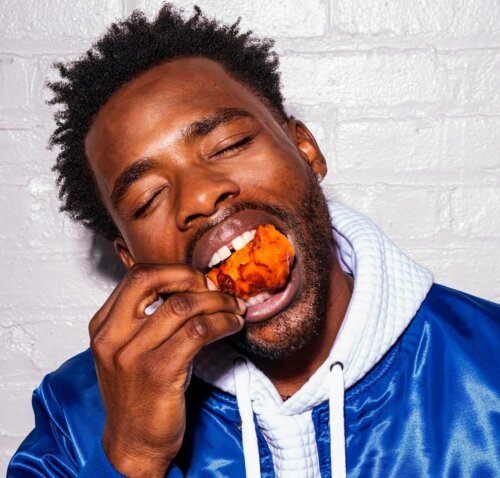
(143,362)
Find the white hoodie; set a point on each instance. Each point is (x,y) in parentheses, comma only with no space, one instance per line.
(389,288)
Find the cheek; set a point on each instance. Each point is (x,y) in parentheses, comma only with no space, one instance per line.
(152,244)
(283,174)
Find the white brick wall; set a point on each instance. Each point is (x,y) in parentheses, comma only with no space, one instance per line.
(403,95)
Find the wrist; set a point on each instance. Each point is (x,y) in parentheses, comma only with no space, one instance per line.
(136,464)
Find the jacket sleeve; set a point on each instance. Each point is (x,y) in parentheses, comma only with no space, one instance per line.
(48,450)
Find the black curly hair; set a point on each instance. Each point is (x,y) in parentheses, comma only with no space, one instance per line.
(127,49)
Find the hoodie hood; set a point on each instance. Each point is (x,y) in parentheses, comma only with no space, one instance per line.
(389,288)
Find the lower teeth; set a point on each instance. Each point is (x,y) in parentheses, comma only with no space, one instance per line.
(258,299)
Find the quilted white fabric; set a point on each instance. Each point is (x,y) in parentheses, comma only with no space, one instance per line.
(389,287)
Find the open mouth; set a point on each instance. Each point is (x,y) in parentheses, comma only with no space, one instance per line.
(271,304)
(239,242)
(263,272)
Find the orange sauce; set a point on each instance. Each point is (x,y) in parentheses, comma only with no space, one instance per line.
(262,265)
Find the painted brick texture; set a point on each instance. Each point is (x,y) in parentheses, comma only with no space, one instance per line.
(403,97)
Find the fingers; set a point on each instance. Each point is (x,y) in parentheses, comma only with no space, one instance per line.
(178,352)
(168,364)
(167,342)
(121,315)
(181,308)
(101,314)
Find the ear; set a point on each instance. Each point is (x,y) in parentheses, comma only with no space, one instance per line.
(123,252)
(307,146)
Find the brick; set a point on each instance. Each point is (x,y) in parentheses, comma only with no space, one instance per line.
(18,361)
(32,349)
(281,18)
(34,221)
(8,445)
(18,398)
(375,78)
(385,148)
(395,18)
(33,218)
(56,19)
(418,150)
(405,214)
(20,313)
(14,82)
(24,156)
(474,75)
(472,269)
(45,279)
(475,211)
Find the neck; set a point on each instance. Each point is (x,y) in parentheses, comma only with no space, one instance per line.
(289,374)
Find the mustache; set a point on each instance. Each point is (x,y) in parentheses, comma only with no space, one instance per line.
(273,210)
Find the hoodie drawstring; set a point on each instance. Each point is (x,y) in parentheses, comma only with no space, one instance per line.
(337,432)
(250,443)
(336,407)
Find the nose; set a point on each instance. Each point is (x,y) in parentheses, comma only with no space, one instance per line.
(201,193)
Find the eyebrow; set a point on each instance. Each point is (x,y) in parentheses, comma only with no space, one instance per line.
(190,133)
(132,174)
(206,125)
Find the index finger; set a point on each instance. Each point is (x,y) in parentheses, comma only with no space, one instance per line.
(141,286)
(101,314)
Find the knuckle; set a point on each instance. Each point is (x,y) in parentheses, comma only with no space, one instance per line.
(199,329)
(233,323)
(233,302)
(194,277)
(96,345)
(123,360)
(180,304)
(137,275)
(92,327)
(199,279)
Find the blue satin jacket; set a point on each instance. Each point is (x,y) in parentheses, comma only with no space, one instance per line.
(429,408)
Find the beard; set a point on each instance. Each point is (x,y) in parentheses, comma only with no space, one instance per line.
(295,327)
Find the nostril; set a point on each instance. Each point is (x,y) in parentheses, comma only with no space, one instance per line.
(224,196)
(204,200)
(227,195)
(190,219)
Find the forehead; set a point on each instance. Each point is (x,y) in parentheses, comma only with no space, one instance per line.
(166,97)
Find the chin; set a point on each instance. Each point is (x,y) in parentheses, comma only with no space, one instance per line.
(294,326)
(286,333)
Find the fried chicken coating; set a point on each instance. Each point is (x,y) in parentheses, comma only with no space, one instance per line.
(262,265)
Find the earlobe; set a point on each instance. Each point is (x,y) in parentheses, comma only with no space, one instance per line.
(307,147)
(123,252)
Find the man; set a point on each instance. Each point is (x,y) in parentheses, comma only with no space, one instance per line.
(175,144)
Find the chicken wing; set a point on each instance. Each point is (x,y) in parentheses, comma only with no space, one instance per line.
(262,265)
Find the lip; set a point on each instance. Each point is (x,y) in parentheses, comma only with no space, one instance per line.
(222,234)
(233,226)
(278,301)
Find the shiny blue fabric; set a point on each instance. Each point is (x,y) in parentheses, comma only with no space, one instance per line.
(429,408)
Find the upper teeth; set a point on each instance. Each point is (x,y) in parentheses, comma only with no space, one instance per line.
(237,243)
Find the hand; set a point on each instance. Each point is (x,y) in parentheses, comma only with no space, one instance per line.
(143,362)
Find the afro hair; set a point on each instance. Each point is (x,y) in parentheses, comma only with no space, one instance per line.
(127,49)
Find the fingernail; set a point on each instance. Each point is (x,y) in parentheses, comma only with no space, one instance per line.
(241,303)
(241,319)
(211,285)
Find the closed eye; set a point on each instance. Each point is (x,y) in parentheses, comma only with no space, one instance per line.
(247,140)
(141,211)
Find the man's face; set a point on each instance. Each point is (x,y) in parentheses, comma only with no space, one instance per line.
(187,158)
